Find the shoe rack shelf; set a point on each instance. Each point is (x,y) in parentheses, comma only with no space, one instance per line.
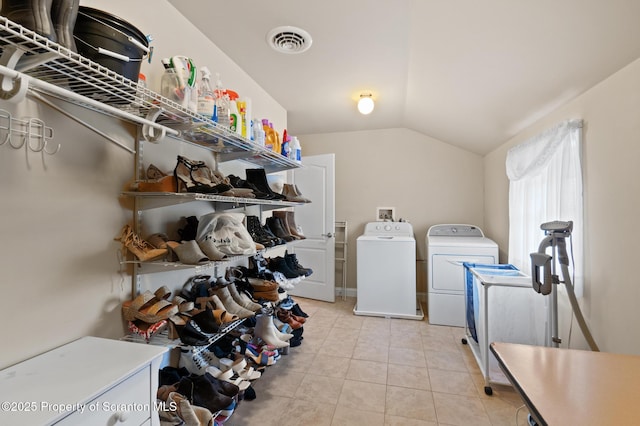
(161,338)
(159,199)
(32,63)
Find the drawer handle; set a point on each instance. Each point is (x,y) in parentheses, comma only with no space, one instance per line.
(121,416)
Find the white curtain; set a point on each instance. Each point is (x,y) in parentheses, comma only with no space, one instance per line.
(545,184)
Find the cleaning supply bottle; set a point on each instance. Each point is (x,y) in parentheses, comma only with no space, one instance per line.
(285,147)
(276,137)
(268,138)
(206,97)
(242,118)
(234,118)
(221,110)
(296,149)
(258,132)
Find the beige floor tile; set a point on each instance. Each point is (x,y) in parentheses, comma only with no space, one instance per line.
(445,361)
(503,411)
(460,410)
(405,326)
(363,396)
(376,323)
(329,366)
(408,340)
(323,390)
(410,357)
(455,382)
(371,352)
(349,321)
(367,371)
(441,343)
(410,403)
(286,384)
(336,347)
(408,377)
(265,410)
(301,412)
(344,416)
(403,421)
(374,338)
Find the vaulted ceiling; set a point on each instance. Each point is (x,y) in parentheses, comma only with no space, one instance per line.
(469,73)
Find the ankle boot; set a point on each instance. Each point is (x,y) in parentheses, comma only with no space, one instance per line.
(258,177)
(242,299)
(231,305)
(266,331)
(276,226)
(257,232)
(201,392)
(288,222)
(293,228)
(63,16)
(34,15)
(292,261)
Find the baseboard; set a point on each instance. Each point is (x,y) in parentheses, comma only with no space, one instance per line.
(352,292)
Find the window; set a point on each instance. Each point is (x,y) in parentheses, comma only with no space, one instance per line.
(545,184)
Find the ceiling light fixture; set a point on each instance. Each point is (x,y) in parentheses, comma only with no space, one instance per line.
(365,103)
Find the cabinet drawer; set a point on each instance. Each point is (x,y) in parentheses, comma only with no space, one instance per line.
(126,403)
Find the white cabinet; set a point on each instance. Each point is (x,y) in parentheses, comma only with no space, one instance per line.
(90,381)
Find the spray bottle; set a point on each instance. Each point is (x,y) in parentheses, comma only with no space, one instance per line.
(206,97)
(221,111)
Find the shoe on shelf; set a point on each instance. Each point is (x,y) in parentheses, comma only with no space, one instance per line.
(189,333)
(258,177)
(200,391)
(188,252)
(148,308)
(277,228)
(190,414)
(139,247)
(291,194)
(292,261)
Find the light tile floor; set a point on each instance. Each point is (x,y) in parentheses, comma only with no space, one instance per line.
(356,370)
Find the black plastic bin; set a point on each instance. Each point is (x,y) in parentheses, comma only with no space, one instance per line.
(109,41)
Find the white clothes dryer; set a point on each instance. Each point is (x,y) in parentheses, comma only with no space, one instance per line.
(448,247)
(386,271)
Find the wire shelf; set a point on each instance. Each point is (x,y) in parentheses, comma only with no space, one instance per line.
(76,79)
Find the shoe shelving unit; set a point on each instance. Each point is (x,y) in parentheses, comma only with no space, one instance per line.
(32,65)
(341,246)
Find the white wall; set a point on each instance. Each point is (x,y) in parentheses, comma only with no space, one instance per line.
(60,277)
(427,181)
(611,150)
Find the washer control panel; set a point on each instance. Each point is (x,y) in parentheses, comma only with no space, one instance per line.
(389,229)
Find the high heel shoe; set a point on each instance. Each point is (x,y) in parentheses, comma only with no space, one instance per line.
(187,180)
(139,247)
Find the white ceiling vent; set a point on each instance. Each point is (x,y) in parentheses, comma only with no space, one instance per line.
(289,40)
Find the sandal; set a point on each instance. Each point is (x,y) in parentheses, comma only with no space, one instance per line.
(148,308)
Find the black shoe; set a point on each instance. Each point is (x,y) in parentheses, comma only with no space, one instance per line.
(292,261)
(295,310)
(200,391)
(280,265)
(258,177)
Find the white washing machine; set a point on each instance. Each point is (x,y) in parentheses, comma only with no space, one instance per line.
(386,271)
(448,247)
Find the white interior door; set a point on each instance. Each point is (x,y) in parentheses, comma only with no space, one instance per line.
(316,181)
